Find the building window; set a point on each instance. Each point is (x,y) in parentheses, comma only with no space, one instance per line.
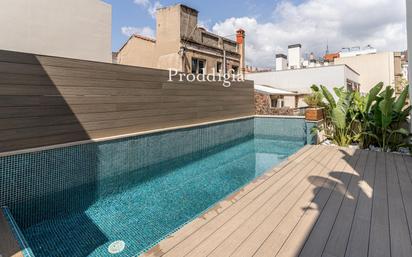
(198,66)
(277,101)
(235,70)
(218,67)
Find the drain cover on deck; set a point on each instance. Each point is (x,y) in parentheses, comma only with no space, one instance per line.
(116,247)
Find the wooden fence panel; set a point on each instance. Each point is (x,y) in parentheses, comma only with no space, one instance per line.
(49,100)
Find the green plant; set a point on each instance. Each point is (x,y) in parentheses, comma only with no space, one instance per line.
(389,115)
(362,106)
(374,119)
(340,116)
(313,100)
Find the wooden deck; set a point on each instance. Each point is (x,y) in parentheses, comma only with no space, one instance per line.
(323,201)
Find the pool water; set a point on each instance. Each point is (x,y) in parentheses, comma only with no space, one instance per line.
(143,206)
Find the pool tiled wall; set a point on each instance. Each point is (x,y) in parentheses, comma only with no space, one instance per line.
(46,184)
(282,128)
(40,185)
(134,153)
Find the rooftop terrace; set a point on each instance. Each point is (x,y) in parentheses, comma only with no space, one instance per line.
(323,201)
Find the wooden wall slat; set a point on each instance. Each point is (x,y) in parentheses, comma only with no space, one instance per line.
(51,71)
(144,109)
(68,118)
(48,100)
(30,90)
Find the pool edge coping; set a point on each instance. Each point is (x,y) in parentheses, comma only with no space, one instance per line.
(122,136)
(141,133)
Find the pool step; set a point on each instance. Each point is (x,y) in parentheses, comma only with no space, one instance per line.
(13,243)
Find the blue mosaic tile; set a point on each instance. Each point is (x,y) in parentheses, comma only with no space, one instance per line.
(75,201)
(283,128)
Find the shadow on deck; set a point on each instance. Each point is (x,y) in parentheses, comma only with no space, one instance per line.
(324,201)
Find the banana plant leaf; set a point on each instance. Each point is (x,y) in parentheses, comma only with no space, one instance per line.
(400,102)
(371,97)
(400,131)
(328,96)
(386,108)
(339,117)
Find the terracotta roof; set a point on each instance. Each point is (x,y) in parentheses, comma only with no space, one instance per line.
(137,36)
(331,57)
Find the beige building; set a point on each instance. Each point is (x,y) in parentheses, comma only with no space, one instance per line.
(374,68)
(79,29)
(182,45)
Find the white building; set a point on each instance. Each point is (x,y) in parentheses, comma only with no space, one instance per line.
(281,98)
(405,70)
(301,80)
(78,29)
(373,68)
(281,62)
(295,56)
(356,51)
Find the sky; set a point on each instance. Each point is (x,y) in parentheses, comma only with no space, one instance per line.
(272,25)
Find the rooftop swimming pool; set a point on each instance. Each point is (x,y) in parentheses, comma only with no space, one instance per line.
(77,201)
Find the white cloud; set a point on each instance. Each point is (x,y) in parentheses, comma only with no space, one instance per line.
(142,2)
(205,24)
(313,23)
(144,31)
(151,6)
(152,9)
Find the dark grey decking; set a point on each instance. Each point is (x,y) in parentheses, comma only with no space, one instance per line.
(323,201)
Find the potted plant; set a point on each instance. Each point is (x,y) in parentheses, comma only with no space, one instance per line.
(314,112)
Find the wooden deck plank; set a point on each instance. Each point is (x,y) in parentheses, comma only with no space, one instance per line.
(359,236)
(278,206)
(338,238)
(405,183)
(325,201)
(297,238)
(284,226)
(399,230)
(319,235)
(379,243)
(227,207)
(203,233)
(408,163)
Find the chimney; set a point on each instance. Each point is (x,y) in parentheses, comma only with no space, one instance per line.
(281,62)
(240,39)
(312,57)
(294,56)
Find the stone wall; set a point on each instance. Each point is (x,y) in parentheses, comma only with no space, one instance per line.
(262,106)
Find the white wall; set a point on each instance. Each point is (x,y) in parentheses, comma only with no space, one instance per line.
(78,29)
(281,64)
(294,57)
(301,80)
(358,52)
(289,101)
